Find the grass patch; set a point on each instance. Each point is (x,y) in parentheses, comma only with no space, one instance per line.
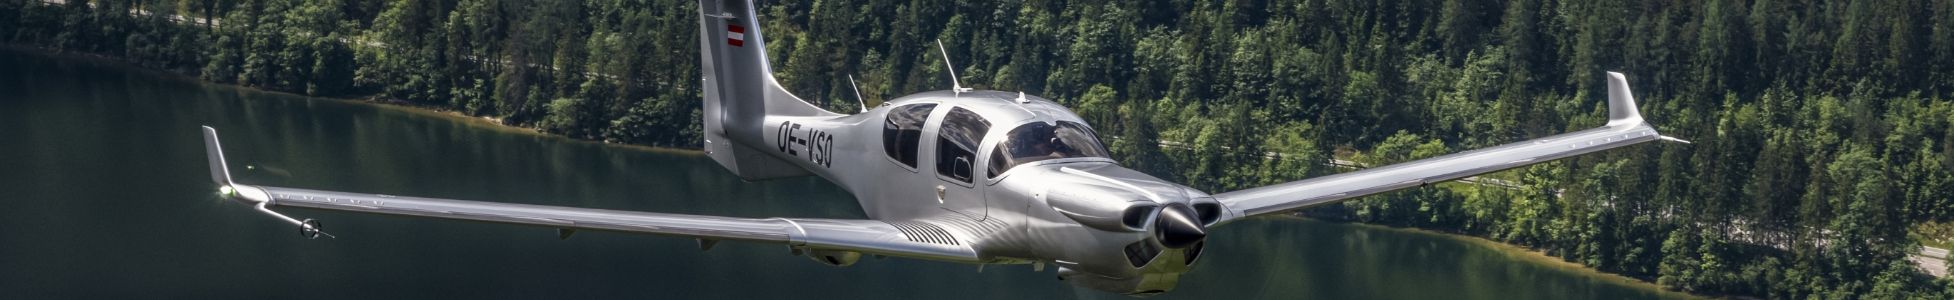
(1937,235)
(1943,244)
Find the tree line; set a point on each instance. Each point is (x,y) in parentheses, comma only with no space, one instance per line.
(1822,129)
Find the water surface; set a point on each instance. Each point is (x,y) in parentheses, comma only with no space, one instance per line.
(104,194)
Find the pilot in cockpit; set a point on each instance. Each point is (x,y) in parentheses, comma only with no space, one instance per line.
(1042,141)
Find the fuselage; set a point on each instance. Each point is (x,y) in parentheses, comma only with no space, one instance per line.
(840,149)
(935,157)
(1014,178)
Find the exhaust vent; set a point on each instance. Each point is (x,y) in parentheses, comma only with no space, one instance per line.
(924,233)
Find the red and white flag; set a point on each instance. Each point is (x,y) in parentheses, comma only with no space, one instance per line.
(735,35)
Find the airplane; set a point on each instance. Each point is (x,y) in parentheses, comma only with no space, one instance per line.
(1049,192)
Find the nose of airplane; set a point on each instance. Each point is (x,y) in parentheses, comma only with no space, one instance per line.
(1178,228)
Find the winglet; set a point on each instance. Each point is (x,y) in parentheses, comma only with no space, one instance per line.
(220,172)
(1621,102)
(214,152)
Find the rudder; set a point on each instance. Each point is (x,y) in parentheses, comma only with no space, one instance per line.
(740,91)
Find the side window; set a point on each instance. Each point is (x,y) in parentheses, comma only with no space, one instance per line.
(956,143)
(902,131)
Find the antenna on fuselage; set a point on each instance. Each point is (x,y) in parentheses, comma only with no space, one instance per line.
(955,87)
(862,104)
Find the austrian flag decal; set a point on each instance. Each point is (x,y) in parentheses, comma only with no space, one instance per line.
(735,35)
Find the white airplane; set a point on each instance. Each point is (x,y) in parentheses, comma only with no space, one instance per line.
(1048,194)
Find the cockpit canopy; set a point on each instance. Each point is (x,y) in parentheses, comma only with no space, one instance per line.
(1039,130)
(1037,141)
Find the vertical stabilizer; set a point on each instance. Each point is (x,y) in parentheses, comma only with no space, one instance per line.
(740,91)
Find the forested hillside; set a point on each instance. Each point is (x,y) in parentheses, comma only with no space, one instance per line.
(1822,129)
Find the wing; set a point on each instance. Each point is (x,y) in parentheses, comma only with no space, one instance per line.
(912,239)
(1625,127)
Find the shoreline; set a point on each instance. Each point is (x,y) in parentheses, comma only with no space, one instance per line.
(483,122)
(1510,250)
(1521,254)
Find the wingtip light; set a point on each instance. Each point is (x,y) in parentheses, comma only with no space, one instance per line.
(254,196)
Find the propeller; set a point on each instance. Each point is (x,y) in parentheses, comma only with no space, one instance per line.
(1177,227)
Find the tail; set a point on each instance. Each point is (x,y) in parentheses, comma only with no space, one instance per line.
(740,91)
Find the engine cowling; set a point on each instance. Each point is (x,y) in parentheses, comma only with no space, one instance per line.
(1103,210)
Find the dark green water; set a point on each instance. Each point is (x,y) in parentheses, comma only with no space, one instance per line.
(104,194)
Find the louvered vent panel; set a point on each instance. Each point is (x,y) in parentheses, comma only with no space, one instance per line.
(925,233)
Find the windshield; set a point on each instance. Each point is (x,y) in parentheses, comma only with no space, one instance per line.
(1041,141)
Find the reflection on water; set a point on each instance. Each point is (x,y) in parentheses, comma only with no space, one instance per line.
(105,194)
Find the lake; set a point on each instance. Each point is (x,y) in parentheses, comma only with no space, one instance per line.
(106,195)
